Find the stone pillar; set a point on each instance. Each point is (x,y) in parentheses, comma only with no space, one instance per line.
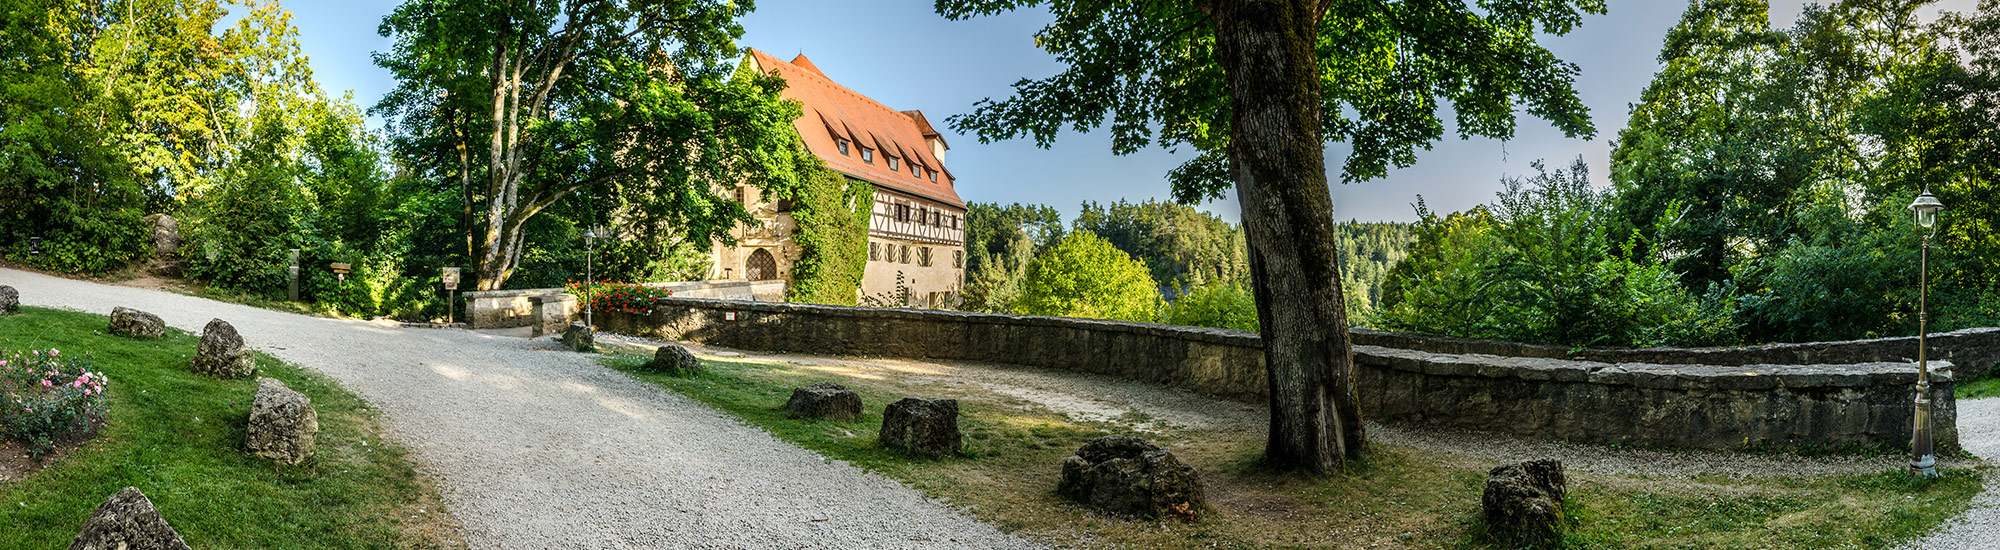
(552,312)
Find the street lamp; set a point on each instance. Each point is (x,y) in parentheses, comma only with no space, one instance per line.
(589,282)
(1922,462)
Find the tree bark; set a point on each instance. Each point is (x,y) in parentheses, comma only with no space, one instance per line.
(1265,48)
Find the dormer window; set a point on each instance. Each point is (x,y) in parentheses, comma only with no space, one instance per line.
(892,164)
(867,155)
(917,170)
(841,143)
(933,177)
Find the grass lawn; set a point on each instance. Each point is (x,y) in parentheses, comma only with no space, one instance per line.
(1978,387)
(1396,498)
(178,437)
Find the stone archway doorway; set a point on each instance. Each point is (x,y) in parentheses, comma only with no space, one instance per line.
(761,266)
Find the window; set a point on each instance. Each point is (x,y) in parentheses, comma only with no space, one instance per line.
(906,254)
(902,212)
(958,258)
(923,217)
(937,217)
(867,155)
(924,257)
(933,177)
(841,143)
(954,221)
(917,170)
(739,195)
(892,164)
(874,251)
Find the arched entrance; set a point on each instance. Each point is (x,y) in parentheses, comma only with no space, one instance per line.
(761,266)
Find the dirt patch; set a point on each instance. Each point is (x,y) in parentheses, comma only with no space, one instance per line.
(16,465)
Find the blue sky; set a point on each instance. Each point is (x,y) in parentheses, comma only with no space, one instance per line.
(903,54)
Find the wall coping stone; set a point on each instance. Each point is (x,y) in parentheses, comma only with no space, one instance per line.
(1980,345)
(528,292)
(1809,353)
(1202,334)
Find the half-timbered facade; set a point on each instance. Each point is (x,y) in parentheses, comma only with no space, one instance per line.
(916,235)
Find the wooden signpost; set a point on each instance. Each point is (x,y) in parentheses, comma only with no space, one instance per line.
(340,270)
(450,278)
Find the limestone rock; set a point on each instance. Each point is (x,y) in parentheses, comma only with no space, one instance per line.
(282,423)
(1127,475)
(136,324)
(10,300)
(923,426)
(172,269)
(166,235)
(127,521)
(675,360)
(579,337)
(1523,503)
(221,353)
(825,400)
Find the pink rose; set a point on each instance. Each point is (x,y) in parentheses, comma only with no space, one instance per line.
(47,384)
(53,352)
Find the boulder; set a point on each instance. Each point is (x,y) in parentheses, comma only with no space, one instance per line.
(127,521)
(826,400)
(166,235)
(136,324)
(10,300)
(675,360)
(1126,475)
(579,337)
(171,269)
(282,423)
(922,426)
(221,353)
(1523,503)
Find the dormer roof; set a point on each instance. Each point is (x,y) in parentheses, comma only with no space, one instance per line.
(832,111)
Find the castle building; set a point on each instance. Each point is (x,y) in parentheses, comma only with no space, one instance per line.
(916,235)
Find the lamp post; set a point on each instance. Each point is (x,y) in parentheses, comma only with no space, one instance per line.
(589,282)
(1922,462)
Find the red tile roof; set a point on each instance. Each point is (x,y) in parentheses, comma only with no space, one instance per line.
(832,110)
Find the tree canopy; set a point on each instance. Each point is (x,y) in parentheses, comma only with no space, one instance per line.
(630,102)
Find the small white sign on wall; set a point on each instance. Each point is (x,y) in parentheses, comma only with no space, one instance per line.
(728,315)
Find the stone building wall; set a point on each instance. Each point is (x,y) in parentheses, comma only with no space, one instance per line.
(1422,379)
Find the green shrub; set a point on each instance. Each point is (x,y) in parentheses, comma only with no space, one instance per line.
(1543,265)
(1217,305)
(1085,276)
(47,396)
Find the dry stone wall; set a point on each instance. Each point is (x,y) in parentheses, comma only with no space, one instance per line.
(1790,395)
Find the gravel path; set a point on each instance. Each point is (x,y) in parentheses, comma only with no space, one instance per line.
(536,448)
(1979,528)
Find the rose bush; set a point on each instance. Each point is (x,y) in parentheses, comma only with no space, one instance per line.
(625,297)
(45,395)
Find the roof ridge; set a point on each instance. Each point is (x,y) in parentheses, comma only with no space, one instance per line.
(829,80)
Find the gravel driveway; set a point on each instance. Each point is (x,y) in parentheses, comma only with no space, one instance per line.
(536,448)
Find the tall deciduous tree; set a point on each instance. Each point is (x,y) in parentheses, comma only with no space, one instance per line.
(1258,86)
(526,102)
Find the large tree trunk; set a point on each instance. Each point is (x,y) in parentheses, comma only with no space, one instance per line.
(1276,156)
